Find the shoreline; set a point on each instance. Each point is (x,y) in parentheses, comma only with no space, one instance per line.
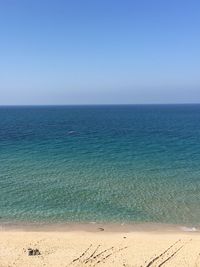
(96,227)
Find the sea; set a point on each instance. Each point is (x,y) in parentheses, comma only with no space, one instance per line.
(101,163)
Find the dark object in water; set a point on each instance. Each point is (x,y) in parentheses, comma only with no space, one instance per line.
(33,252)
(101,229)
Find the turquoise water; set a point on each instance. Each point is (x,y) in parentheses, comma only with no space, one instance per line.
(100,163)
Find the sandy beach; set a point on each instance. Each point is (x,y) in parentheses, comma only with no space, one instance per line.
(99,246)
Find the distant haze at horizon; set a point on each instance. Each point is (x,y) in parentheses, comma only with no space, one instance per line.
(107,52)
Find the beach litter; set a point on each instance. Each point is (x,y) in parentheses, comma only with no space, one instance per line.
(33,252)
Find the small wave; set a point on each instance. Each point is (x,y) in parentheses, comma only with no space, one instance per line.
(71,132)
(189,229)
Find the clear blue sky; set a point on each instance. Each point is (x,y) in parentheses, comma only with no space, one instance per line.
(99,51)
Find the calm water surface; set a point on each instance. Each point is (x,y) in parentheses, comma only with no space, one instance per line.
(100,163)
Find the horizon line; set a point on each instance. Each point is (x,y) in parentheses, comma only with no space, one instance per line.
(65,105)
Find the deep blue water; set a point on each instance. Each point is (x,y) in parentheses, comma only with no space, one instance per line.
(100,163)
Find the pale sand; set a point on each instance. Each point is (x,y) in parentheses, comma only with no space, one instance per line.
(105,248)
